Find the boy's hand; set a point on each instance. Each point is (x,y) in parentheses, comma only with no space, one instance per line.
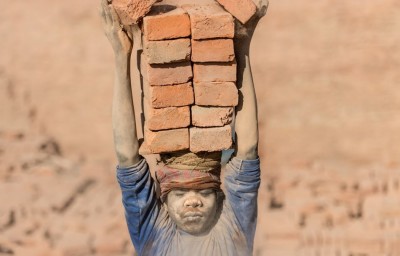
(244,33)
(119,37)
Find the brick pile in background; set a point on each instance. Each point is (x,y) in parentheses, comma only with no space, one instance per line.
(189,78)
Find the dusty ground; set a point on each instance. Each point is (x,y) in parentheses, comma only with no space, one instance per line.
(326,76)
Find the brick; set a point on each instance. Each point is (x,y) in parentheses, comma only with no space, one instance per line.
(213,50)
(130,11)
(167,74)
(216,94)
(211,116)
(144,149)
(167,141)
(214,72)
(163,23)
(210,139)
(167,118)
(210,21)
(167,51)
(170,95)
(184,3)
(242,10)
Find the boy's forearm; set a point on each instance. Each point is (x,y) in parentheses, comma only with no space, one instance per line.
(246,126)
(123,117)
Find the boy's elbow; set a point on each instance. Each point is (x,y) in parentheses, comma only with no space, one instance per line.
(126,159)
(247,152)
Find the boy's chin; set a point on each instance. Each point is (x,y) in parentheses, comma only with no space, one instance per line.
(194,228)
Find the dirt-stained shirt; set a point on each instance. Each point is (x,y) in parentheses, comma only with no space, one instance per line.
(154,233)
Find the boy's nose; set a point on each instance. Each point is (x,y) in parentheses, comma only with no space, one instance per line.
(193,201)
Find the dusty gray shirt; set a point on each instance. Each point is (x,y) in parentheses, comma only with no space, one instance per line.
(154,233)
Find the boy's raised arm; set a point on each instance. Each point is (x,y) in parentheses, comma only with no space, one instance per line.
(123,118)
(246,125)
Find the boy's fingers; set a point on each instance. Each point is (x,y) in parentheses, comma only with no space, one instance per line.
(136,30)
(262,7)
(105,2)
(114,16)
(106,10)
(129,32)
(103,16)
(137,35)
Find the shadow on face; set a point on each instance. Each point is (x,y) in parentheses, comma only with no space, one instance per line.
(193,211)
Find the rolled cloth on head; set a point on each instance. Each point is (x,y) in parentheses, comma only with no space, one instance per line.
(186,170)
(204,161)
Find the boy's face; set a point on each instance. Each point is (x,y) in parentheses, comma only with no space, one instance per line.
(193,211)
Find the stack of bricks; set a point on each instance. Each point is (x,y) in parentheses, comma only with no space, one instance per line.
(189,75)
(189,78)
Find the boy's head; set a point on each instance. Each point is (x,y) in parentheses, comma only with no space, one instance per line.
(190,190)
(193,211)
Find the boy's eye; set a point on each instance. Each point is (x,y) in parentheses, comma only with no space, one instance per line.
(179,193)
(206,192)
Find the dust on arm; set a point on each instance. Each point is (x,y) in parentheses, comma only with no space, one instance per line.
(123,118)
(246,125)
(137,186)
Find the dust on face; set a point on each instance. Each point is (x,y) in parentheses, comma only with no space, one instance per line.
(193,211)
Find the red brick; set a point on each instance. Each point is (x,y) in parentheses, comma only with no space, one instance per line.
(211,116)
(210,21)
(162,24)
(185,3)
(167,118)
(170,95)
(222,94)
(130,11)
(167,51)
(167,141)
(166,74)
(144,149)
(242,10)
(214,72)
(210,139)
(213,50)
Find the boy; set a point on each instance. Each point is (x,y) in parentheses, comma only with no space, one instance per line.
(192,216)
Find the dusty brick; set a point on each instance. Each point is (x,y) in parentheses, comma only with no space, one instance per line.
(130,11)
(163,23)
(167,140)
(167,51)
(210,139)
(214,72)
(222,94)
(211,116)
(167,118)
(170,95)
(213,50)
(144,149)
(167,74)
(210,21)
(242,10)
(185,3)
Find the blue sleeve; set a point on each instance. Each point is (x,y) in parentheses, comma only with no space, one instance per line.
(140,202)
(242,180)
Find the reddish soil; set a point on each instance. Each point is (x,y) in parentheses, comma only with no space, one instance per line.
(326,77)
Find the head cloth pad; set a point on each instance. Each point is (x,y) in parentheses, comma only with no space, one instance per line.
(186,170)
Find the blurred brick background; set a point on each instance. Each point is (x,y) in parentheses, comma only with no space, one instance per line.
(326,76)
